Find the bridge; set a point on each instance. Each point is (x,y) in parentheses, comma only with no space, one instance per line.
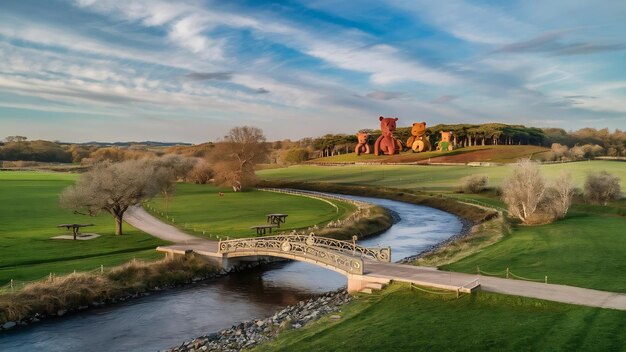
(365,268)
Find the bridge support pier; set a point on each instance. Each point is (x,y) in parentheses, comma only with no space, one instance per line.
(356,283)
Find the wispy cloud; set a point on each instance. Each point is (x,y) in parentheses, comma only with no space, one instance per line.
(382,95)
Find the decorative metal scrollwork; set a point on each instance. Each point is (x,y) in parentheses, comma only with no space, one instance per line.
(342,255)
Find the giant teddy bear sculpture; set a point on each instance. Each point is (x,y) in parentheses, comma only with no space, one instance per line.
(444,144)
(363,147)
(418,141)
(387,143)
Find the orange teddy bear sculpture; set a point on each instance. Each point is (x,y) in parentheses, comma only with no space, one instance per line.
(387,143)
(363,147)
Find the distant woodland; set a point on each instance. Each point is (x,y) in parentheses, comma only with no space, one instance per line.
(583,143)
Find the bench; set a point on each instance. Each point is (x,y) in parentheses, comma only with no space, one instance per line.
(262,229)
(276,219)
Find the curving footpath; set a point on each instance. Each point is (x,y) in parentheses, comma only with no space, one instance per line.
(425,276)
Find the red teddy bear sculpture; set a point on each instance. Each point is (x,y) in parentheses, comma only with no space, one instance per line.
(387,143)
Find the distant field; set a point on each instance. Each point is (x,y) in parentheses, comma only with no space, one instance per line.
(441,178)
(491,153)
(400,319)
(198,208)
(29,213)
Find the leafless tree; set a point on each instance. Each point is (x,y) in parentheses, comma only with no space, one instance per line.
(170,169)
(563,191)
(602,187)
(114,188)
(234,158)
(523,191)
(474,183)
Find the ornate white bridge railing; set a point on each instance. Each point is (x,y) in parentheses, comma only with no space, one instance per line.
(342,255)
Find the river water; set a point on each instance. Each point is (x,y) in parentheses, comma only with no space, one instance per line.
(166,319)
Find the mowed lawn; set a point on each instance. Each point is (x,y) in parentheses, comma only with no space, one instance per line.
(435,178)
(29,214)
(585,250)
(403,319)
(198,208)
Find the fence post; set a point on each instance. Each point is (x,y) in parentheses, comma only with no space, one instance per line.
(50,277)
(546,280)
(11,284)
(507,273)
(101,269)
(477,270)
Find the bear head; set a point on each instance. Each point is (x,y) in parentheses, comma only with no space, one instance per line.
(388,125)
(445,136)
(363,137)
(418,129)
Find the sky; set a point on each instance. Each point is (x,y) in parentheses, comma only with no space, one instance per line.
(188,71)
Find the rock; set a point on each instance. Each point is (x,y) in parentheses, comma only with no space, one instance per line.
(260,323)
(61,312)
(335,317)
(9,325)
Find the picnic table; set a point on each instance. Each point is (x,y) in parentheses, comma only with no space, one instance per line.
(74,227)
(276,219)
(262,229)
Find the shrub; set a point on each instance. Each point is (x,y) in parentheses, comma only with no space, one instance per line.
(474,183)
(602,187)
(201,173)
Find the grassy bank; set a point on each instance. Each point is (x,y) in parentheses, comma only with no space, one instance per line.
(198,208)
(72,291)
(466,211)
(29,214)
(585,250)
(401,319)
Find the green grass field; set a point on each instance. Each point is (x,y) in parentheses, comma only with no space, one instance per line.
(585,250)
(197,208)
(491,153)
(29,213)
(436,178)
(403,319)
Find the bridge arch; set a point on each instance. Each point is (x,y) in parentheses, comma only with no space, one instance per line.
(340,256)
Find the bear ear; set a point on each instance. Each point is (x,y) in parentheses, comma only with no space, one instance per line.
(424,123)
(380,118)
(415,124)
(396,119)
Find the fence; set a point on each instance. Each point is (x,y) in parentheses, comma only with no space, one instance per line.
(507,274)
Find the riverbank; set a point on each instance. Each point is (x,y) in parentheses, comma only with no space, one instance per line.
(250,333)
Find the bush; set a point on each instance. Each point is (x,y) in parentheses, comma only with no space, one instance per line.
(474,183)
(602,187)
(201,173)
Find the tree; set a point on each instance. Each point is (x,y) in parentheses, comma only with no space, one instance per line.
(15,139)
(523,191)
(563,191)
(602,187)
(170,169)
(114,188)
(234,158)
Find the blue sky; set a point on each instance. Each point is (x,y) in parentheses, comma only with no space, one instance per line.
(189,70)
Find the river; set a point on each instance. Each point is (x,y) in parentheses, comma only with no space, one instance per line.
(166,319)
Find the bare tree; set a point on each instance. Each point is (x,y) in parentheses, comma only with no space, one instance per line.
(523,191)
(114,188)
(563,191)
(234,158)
(201,173)
(170,169)
(602,187)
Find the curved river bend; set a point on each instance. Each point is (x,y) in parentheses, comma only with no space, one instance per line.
(165,320)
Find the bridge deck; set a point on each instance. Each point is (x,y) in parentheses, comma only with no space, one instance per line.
(423,276)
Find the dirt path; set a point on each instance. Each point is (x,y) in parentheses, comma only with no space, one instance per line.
(139,218)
